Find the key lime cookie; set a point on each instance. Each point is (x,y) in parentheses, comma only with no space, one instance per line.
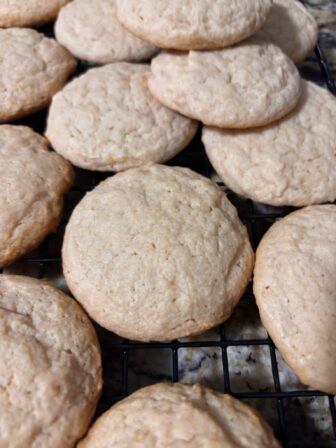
(295,289)
(32,69)
(28,12)
(292,28)
(50,366)
(107,120)
(291,162)
(157,253)
(190,25)
(179,415)
(248,85)
(33,181)
(90,30)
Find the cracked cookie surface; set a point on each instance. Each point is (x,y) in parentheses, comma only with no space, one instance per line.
(290,162)
(33,181)
(107,120)
(32,69)
(190,25)
(91,31)
(179,415)
(50,366)
(248,85)
(294,285)
(28,12)
(157,253)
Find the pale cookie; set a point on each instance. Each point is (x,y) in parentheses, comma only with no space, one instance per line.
(91,31)
(179,416)
(107,120)
(33,181)
(292,162)
(157,253)
(248,85)
(193,25)
(50,366)
(28,12)
(32,68)
(295,289)
(292,28)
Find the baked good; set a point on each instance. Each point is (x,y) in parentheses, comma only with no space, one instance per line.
(90,30)
(157,253)
(178,415)
(33,181)
(291,162)
(50,366)
(28,12)
(107,120)
(32,68)
(201,25)
(291,27)
(295,289)
(248,85)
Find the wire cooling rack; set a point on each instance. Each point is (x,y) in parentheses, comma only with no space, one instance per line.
(299,416)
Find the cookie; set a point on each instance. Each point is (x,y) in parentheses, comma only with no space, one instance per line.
(50,366)
(33,181)
(180,415)
(28,12)
(32,68)
(292,28)
(107,120)
(291,162)
(157,253)
(91,31)
(248,85)
(295,289)
(201,25)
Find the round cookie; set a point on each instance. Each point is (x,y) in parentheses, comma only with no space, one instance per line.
(28,12)
(248,85)
(295,289)
(179,415)
(32,68)
(190,25)
(292,28)
(91,31)
(157,253)
(107,120)
(33,181)
(50,366)
(291,162)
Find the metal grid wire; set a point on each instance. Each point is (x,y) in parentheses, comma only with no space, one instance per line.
(116,351)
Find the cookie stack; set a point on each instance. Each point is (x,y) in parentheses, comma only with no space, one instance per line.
(156,253)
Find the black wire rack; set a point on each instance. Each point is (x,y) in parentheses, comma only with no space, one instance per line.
(118,354)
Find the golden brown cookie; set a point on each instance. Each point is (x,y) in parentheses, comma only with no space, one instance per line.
(157,253)
(50,366)
(32,69)
(180,416)
(90,30)
(193,25)
(28,12)
(295,289)
(33,181)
